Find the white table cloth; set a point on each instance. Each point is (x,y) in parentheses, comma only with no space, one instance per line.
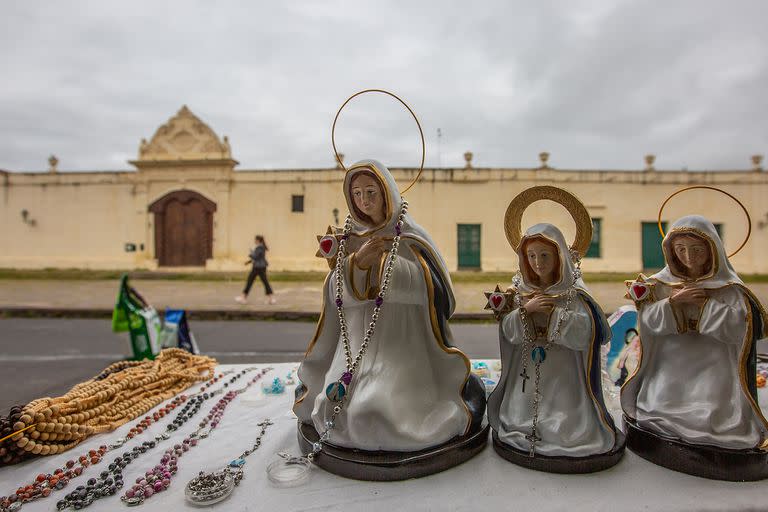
(486,482)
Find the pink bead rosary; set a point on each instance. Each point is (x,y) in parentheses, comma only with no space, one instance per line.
(158,479)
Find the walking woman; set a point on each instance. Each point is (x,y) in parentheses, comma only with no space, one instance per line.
(258,259)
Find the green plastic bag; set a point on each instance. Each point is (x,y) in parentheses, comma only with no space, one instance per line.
(134,314)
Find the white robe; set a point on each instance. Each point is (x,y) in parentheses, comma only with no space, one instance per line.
(572,419)
(405,396)
(569,421)
(691,388)
(695,381)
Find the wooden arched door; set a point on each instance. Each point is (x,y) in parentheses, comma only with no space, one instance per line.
(183,229)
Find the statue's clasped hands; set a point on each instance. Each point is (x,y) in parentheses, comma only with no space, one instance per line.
(689,295)
(370,253)
(540,304)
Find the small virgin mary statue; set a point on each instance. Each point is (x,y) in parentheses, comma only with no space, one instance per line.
(547,412)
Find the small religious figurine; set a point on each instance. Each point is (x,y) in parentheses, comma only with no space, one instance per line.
(628,358)
(384,395)
(692,404)
(547,412)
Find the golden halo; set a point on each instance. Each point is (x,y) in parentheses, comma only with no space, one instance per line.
(421,133)
(749,219)
(514,216)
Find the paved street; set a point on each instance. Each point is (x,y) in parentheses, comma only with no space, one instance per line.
(218,296)
(206,296)
(45,357)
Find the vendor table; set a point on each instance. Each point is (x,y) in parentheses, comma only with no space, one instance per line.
(486,482)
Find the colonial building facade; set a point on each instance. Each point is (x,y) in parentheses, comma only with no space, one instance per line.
(185,206)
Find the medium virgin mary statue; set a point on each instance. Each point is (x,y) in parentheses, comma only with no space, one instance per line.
(692,403)
(547,411)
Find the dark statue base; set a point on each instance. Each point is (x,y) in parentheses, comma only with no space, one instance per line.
(698,460)
(390,466)
(567,465)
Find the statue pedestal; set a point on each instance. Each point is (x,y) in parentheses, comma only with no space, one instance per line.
(390,466)
(699,460)
(567,465)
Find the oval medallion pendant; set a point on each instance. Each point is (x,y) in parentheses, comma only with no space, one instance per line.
(335,392)
(539,354)
(209,488)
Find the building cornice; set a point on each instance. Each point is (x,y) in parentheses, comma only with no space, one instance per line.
(203,170)
(143,165)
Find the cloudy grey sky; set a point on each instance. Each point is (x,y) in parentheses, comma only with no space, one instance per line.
(596,83)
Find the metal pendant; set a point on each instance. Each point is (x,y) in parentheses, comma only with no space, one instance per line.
(335,391)
(539,354)
(135,501)
(210,488)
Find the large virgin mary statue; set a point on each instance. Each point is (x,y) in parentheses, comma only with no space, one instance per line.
(412,390)
(695,386)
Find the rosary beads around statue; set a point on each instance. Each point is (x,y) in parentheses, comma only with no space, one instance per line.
(209,488)
(159,478)
(337,392)
(292,470)
(539,353)
(111,480)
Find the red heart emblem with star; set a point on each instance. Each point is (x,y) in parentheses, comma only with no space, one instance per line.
(328,246)
(639,291)
(497,301)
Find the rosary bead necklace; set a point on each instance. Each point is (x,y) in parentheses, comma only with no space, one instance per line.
(147,421)
(45,484)
(337,392)
(111,480)
(7,454)
(539,352)
(159,478)
(210,488)
(122,392)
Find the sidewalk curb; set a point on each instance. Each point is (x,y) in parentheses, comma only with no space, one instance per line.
(201,314)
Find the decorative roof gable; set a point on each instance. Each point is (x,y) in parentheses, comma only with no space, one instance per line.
(184,137)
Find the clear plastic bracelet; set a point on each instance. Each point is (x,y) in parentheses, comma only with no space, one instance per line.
(288,471)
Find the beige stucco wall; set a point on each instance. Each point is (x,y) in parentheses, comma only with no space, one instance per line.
(623,200)
(83,220)
(80,220)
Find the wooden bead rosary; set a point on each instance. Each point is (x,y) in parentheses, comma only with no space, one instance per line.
(120,393)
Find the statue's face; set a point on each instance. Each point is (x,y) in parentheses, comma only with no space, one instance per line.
(692,252)
(542,257)
(368,197)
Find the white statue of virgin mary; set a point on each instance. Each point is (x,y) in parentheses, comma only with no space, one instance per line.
(698,327)
(557,324)
(547,411)
(412,390)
